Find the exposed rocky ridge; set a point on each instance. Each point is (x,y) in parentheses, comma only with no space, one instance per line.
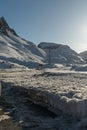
(4,27)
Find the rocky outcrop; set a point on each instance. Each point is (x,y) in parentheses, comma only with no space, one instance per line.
(64,93)
(55,103)
(4,27)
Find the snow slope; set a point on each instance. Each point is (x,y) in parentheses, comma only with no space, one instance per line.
(14,49)
(84,55)
(58,53)
(18,50)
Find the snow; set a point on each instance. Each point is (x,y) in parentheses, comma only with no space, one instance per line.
(9,65)
(16,50)
(58,87)
(80,67)
(60,53)
(84,55)
(55,89)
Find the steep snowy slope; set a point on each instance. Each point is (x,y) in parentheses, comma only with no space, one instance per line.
(58,53)
(16,49)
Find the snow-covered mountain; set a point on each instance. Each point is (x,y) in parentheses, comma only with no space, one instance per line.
(58,53)
(15,49)
(84,55)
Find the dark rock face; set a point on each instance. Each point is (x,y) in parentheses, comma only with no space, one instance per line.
(4,27)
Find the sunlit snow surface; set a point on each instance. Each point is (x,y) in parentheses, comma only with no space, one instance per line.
(16,50)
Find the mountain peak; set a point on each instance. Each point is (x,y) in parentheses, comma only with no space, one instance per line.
(4,27)
(2,20)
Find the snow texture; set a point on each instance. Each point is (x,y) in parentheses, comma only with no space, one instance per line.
(84,55)
(60,91)
(58,53)
(16,50)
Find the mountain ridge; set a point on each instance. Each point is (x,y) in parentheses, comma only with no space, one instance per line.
(60,53)
(17,50)
(4,27)
(84,55)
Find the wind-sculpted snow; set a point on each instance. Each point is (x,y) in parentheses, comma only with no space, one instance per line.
(57,90)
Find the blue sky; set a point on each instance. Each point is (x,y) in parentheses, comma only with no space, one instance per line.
(59,21)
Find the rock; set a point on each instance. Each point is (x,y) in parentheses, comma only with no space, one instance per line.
(82,124)
(4,27)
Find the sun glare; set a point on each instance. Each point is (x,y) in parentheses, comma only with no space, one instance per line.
(83,31)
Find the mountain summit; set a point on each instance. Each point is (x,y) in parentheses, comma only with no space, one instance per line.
(4,27)
(59,53)
(17,50)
